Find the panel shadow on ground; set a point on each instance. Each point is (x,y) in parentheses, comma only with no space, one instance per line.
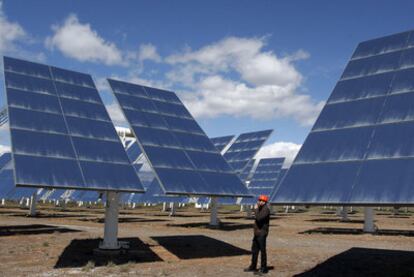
(358,231)
(198,246)
(365,262)
(33,229)
(81,252)
(125,220)
(224,226)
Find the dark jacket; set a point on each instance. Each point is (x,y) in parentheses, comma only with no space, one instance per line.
(261,221)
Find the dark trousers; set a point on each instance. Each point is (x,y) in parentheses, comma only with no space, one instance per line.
(259,244)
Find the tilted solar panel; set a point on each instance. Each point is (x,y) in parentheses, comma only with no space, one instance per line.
(221,142)
(181,155)
(133,151)
(266,173)
(360,150)
(244,148)
(61,134)
(247,171)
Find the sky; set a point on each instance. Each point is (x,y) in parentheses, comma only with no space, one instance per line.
(238,66)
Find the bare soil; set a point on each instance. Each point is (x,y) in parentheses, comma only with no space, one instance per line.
(303,243)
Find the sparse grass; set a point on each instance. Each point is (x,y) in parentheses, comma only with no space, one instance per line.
(45,244)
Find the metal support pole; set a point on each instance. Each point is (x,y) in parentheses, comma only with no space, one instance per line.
(110,241)
(164,206)
(3,201)
(172,208)
(344,213)
(369,226)
(242,208)
(33,204)
(213,213)
(249,211)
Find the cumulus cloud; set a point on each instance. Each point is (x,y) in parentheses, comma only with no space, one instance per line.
(10,32)
(148,52)
(237,77)
(288,150)
(79,41)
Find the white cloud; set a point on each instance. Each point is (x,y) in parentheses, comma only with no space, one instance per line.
(10,32)
(116,115)
(81,42)
(148,52)
(236,77)
(288,150)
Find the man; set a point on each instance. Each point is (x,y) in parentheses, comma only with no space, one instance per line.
(261,230)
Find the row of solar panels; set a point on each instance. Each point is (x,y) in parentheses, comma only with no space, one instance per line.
(263,180)
(62,137)
(359,151)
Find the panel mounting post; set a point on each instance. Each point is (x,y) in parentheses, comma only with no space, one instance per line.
(32,211)
(369,226)
(110,241)
(214,221)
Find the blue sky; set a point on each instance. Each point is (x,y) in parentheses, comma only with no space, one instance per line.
(237,65)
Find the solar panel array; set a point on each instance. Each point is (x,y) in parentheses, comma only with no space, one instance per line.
(181,155)
(361,148)
(61,134)
(221,142)
(244,148)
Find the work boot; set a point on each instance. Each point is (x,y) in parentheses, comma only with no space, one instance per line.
(250,269)
(261,271)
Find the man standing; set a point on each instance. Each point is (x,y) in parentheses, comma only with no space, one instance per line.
(261,230)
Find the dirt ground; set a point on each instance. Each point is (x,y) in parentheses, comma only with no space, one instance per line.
(302,243)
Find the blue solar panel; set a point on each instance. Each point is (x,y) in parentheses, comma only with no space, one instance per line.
(256,192)
(247,171)
(183,158)
(155,195)
(61,133)
(360,149)
(266,173)
(133,151)
(244,148)
(221,142)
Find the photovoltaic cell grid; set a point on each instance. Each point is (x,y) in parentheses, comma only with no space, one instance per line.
(133,151)
(244,148)
(182,156)
(264,179)
(360,150)
(245,174)
(221,142)
(266,173)
(61,134)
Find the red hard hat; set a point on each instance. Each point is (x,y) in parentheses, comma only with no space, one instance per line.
(263,197)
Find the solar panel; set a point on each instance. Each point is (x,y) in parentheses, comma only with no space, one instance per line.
(360,150)
(61,134)
(181,155)
(266,173)
(221,142)
(245,174)
(244,148)
(133,151)
(256,192)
